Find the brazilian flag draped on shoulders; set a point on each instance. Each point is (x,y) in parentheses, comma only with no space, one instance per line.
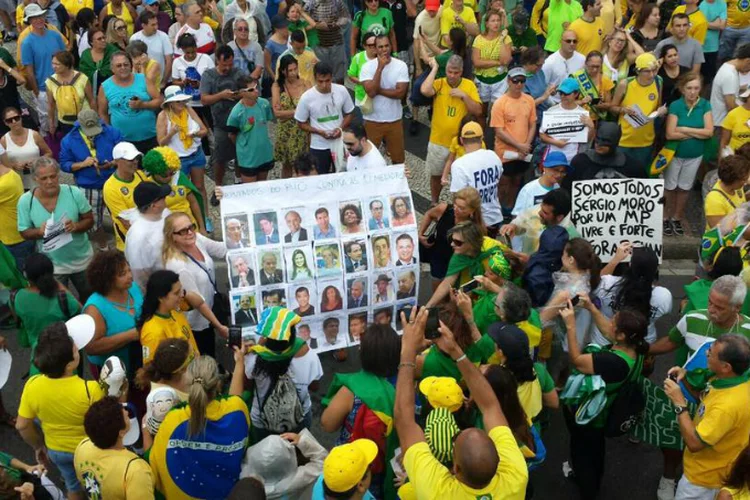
(205,465)
(379,396)
(164,162)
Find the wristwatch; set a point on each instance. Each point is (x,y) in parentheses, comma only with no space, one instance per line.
(680,409)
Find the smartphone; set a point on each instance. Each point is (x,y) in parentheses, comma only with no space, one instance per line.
(471,285)
(575,300)
(433,323)
(673,377)
(235,336)
(134,98)
(596,100)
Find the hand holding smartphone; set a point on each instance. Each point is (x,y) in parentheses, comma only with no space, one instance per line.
(235,337)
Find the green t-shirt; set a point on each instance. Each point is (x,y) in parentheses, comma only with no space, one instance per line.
(311,35)
(439,364)
(5,459)
(254,147)
(690,148)
(525,39)
(442,60)
(694,328)
(381,23)
(355,67)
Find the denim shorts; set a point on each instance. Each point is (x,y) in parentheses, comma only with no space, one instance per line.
(64,462)
(195,160)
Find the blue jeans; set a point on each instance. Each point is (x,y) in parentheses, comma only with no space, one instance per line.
(731,38)
(22,251)
(64,462)
(194,160)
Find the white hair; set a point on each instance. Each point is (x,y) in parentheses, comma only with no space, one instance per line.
(731,287)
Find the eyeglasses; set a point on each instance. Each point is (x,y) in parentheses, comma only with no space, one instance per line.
(455,242)
(187,230)
(13,119)
(122,65)
(369,45)
(620,40)
(570,41)
(242,28)
(98,39)
(518,80)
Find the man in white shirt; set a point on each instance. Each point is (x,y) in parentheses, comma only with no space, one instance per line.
(146,234)
(297,233)
(564,62)
(481,169)
(323,111)
(204,35)
(362,153)
(386,81)
(159,48)
(726,85)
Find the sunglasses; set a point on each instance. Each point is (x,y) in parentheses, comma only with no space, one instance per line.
(120,28)
(250,89)
(456,243)
(242,28)
(518,80)
(13,119)
(570,41)
(122,65)
(187,230)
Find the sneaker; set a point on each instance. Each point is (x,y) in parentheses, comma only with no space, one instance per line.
(214,200)
(677,227)
(230,165)
(668,228)
(666,489)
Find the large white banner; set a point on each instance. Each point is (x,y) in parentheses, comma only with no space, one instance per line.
(340,250)
(608,212)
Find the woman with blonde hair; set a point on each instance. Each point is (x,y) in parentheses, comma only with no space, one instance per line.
(435,248)
(620,52)
(215,422)
(117,33)
(191,255)
(63,111)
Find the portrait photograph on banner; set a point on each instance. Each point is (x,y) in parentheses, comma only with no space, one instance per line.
(356,292)
(326,222)
(402,211)
(383,288)
(305,330)
(380,245)
(297,223)
(327,259)
(405,244)
(271,297)
(377,213)
(241,265)
(302,299)
(403,306)
(355,254)
(270,266)
(331,295)
(266,228)
(300,264)
(357,323)
(334,334)
(236,231)
(383,316)
(407,282)
(350,217)
(244,308)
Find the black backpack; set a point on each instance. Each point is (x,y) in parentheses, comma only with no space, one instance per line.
(628,405)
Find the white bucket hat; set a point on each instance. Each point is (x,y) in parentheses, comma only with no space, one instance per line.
(174,93)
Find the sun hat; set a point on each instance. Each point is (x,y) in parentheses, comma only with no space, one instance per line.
(174,93)
(89,123)
(32,10)
(81,329)
(442,392)
(347,464)
(276,323)
(439,430)
(516,72)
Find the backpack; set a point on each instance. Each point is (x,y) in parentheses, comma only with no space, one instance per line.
(628,404)
(281,410)
(66,98)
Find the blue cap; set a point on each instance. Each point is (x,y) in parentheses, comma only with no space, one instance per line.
(151,2)
(568,86)
(555,159)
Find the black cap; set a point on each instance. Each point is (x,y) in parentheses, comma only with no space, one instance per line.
(148,192)
(510,339)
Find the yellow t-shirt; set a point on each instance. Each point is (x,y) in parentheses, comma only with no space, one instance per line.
(716,204)
(471,4)
(737,123)
(211,22)
(539,25)
(738,14)
(647,99)
(160,328)
(60,404)
(487,244)
(177,201)
(491,50)
(112,474)
(448,21)
(530,397)
(11,189)
(590,35)
(73,6)
(124,16)
(118,196)
(722,422)
(305,64)
(698,23)
(743,494)
(457,150)
(447,111)
(432,479)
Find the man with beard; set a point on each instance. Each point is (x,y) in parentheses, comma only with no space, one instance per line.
(362,153)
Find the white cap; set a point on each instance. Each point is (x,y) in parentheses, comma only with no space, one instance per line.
(81,329)
(112,376)
(134,432)
(125,151)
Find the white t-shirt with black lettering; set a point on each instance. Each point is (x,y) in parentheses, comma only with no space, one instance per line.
(481,170)
(324,112)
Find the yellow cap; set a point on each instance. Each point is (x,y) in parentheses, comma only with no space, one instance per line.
(645,61)
(346,465)
(472,130)
(442,392)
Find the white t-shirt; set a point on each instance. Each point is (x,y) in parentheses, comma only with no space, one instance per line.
(385,109)
(661,304)
(373,159)
(201,63)
(158,47)
(204,37)
(430,29)
(530,195)
(726,82)
(481,170)
(143,247)
(324,112)
(571,148)
(556,69)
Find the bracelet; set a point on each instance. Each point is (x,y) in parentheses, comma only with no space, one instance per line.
(407,365)
(461,358)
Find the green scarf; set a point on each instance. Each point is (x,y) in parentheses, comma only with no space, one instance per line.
(702,378)
(267,354)
(380,397)
(475,265)
(588,89)
(484,310)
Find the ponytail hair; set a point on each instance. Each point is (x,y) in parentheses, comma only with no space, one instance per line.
(634,325)
(637,284)
(40,272)
(586,260)
(204,382)
(169,359)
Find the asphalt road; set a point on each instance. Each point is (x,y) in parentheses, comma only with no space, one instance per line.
(632,470)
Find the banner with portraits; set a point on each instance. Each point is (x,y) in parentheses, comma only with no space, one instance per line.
(340,250)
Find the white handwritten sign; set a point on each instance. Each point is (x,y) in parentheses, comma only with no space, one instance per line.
(565,125)
(340,250)
(55,236)
(608,212)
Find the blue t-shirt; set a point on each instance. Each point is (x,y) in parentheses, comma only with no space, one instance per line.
(713,11)
(254,147)
(37,51)
(134,124)
(318,492)
(690,148)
